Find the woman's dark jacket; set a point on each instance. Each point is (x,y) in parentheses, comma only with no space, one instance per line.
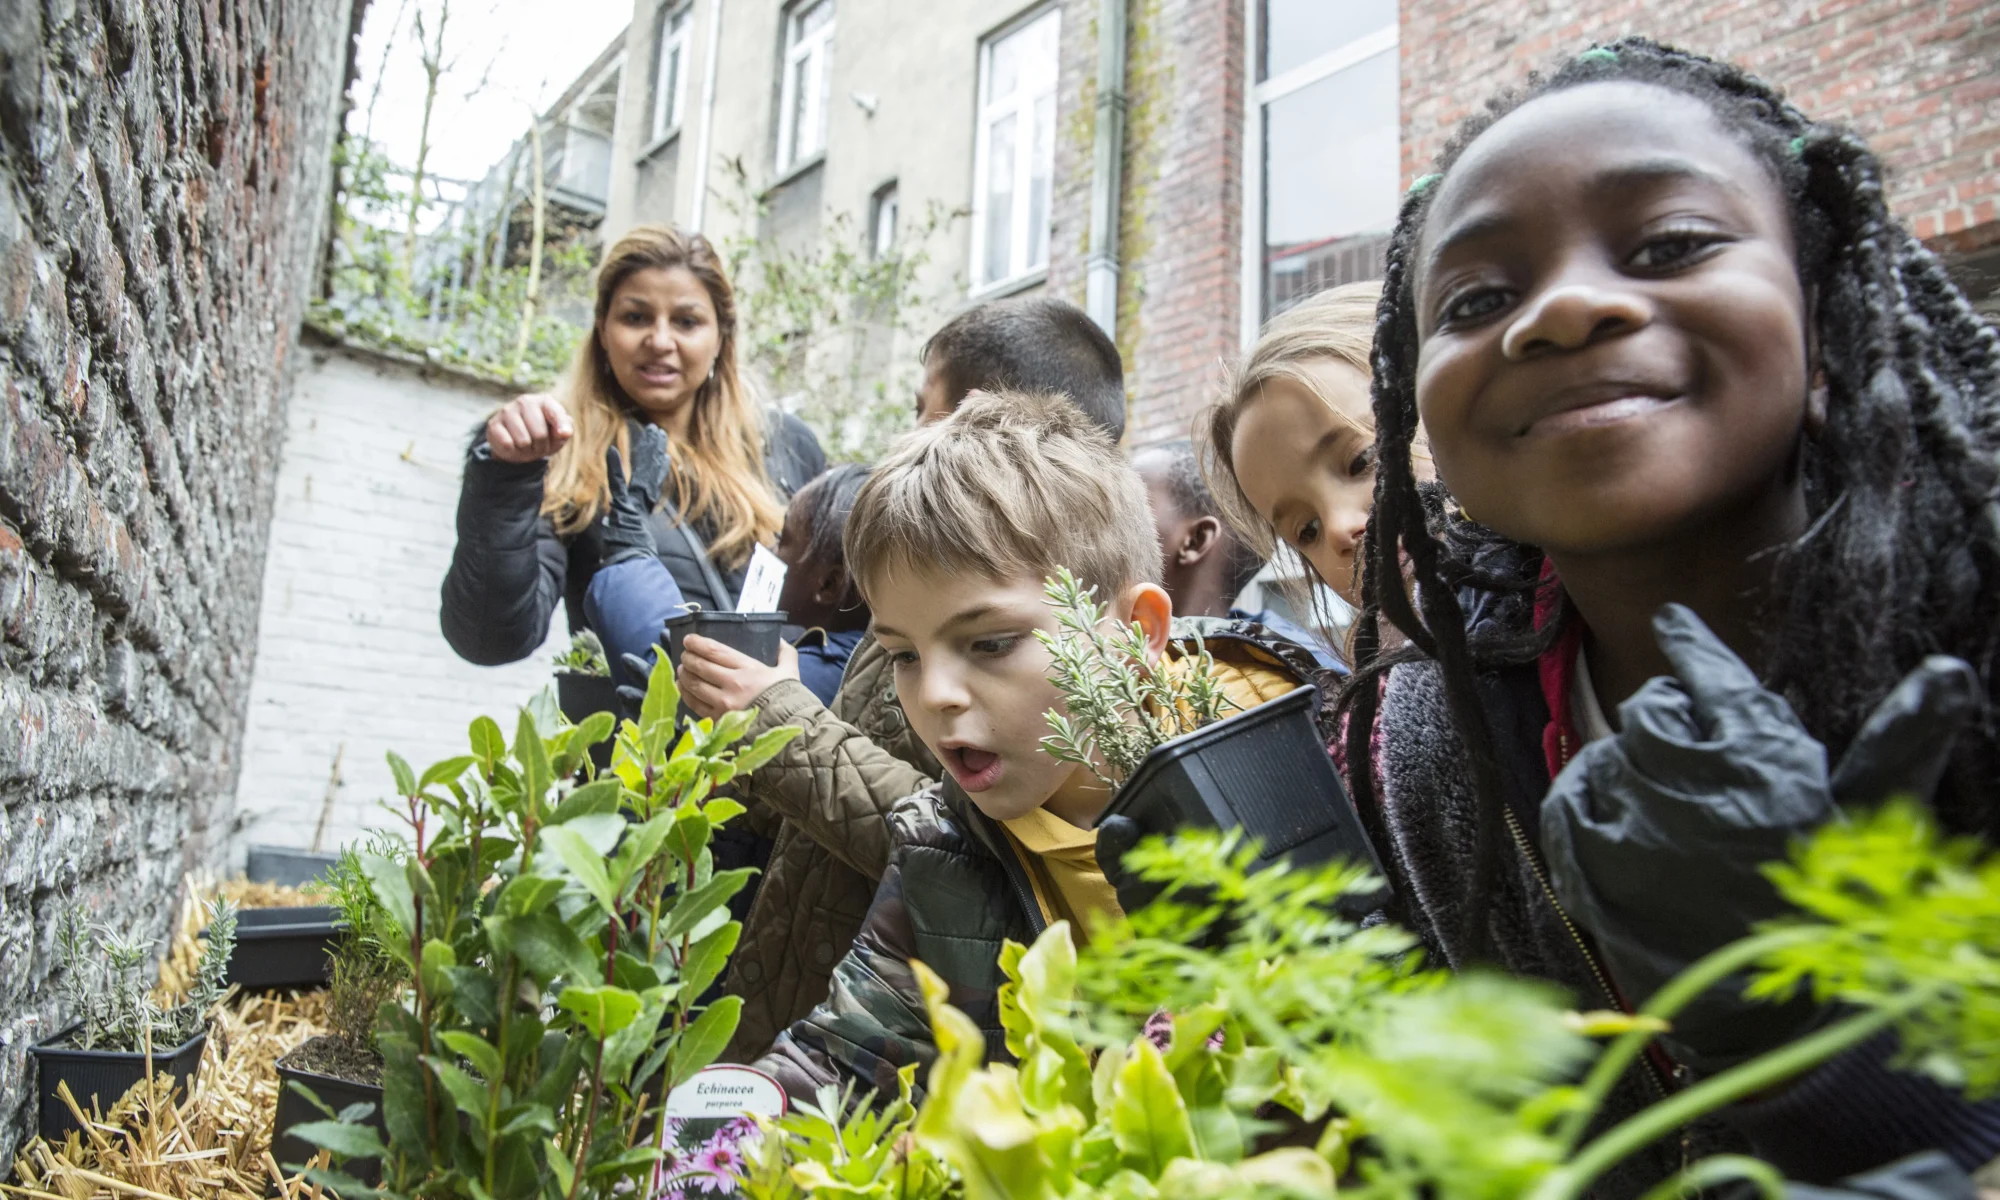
(510,567)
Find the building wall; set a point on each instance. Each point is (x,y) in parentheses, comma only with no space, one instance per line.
(1180,220)
(1920,79)
(350,662)
(921,71)
(163,189)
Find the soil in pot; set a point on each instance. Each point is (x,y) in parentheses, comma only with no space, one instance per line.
(1264,770)
(100,1077)
(340,1074)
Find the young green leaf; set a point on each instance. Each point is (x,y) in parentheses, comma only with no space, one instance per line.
(585,865)
(1148,1117)
(406,780)
(693,906)
(475,1049)
(344,1139)
(701,1041)
(601,1010)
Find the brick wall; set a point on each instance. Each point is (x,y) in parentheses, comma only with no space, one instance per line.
(163,183)
(349,658)
(1180,235)
(1919,78)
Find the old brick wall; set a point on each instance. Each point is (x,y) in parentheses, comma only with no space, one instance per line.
(163,184)
(1919,78)
(1180,235)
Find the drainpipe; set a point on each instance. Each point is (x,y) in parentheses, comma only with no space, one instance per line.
(707,116)
(1101,268)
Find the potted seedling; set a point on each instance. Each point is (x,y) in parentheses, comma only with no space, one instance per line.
(121,1034)
(583,679)
(340,1071)
(1178,753)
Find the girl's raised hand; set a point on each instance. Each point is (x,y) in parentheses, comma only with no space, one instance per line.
(529,428)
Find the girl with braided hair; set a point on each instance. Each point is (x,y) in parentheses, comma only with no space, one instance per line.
(1721,443)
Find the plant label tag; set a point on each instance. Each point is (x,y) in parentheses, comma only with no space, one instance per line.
(763,583)
(710,1125)
(727,1090)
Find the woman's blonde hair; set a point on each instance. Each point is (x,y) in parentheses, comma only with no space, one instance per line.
(718,470)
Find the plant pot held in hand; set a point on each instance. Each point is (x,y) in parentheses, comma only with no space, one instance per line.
(1262,770)
(755,634)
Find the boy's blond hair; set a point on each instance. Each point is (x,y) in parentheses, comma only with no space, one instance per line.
(1011,485)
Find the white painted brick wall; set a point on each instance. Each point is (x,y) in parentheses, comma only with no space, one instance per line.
(348,648)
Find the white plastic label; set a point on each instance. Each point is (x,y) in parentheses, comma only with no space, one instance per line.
(763,583)
(725,1090)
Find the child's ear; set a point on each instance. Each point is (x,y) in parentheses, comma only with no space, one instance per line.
(833,584)
(1200,538)
(1149,605)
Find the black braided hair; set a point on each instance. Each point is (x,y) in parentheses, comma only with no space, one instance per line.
(1902,484)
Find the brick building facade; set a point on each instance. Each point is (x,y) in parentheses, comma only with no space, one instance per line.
(163,189)
(1208,83)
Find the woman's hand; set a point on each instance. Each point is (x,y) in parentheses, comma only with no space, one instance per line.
(717,678)
(529,428)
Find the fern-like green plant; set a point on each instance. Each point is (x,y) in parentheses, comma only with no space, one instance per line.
(1149,1067)
(1118,708)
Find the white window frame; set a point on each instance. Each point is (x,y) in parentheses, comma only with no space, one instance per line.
(884,207)
(1022,107)
(1361,49)
(810,56)
(676,18)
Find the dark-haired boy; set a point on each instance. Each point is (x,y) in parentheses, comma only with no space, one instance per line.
(824,798)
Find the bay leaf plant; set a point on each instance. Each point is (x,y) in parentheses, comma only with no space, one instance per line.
(1117,709)
(560,931)
(1300,1054)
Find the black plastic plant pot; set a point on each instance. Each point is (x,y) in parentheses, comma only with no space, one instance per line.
(755,634)
(283,947)
(100,1077)
(287,866)
(1264,771)
(581,696)
(295,1110)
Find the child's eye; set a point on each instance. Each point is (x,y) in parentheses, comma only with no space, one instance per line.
(902,658)
(1472,305)
(1307,534)
(1363,463)
(996,647)
(1670,250)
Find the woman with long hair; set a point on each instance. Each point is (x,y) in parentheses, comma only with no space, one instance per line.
(650,445)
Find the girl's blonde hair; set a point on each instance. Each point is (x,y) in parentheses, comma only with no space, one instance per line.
(1337,324)
(718,470)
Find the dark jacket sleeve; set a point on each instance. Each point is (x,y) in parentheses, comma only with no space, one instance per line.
(872,1021)
(508,569)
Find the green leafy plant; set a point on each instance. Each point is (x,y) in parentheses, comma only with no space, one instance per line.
(365,972)
(838,1145)
(585,655)
(560,931)
(1154,1067)
(1118,708)
(104,982)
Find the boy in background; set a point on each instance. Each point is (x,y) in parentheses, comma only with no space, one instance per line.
(952,542)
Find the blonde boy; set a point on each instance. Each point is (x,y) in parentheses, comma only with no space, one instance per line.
(951,541)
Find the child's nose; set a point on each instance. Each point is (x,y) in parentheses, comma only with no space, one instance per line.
(941,690)
(1571,316)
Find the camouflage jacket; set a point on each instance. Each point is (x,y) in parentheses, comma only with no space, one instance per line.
(956,890)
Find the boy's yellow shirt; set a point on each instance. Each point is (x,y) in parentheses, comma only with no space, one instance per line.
(1062,859)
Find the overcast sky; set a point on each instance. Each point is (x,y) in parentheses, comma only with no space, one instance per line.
(512,56)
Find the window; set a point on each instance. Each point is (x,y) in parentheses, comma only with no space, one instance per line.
(1014,159)
(670,69)
(882,221)
(807,82)
(1321,190)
